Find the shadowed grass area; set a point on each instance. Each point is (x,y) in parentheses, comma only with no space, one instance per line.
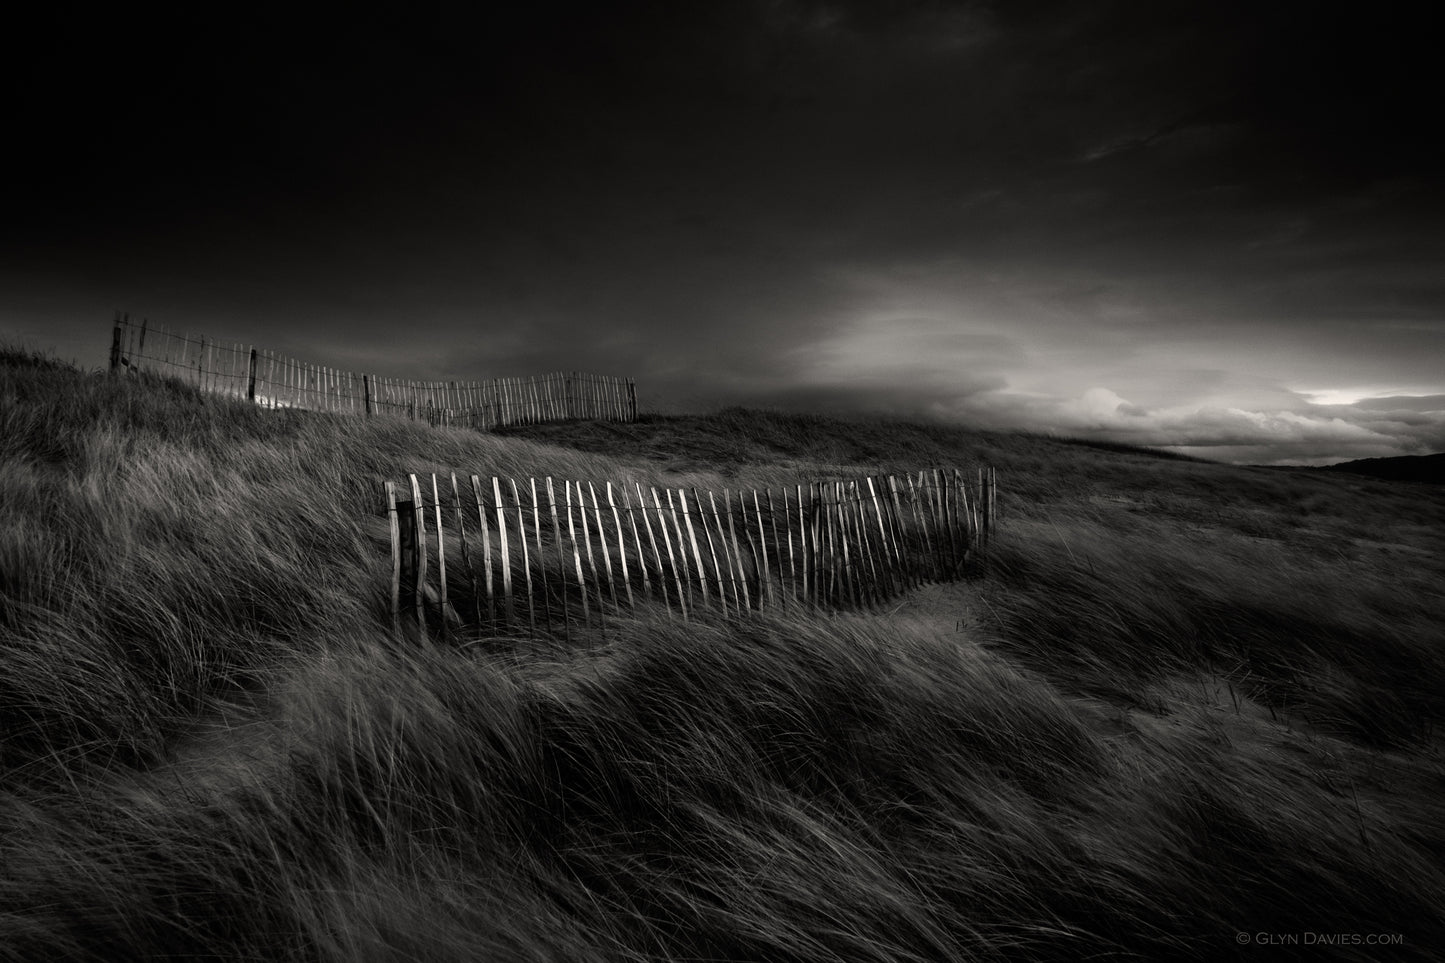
(1351,648)
(1186,700)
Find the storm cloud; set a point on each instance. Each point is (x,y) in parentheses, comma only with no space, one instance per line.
(1190,228)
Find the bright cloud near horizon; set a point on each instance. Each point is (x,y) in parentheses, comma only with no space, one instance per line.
(1204,230)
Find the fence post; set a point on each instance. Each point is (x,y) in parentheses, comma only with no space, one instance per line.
(526,558)
(366,392)
(486,556)
(666,540)
(419,510)
(405,571)
(622,546)
(506,553)
(692,536)
(632,399)
(251,379)
(561,557)
(115,344)
(441,560)
(577,555)
(396,564)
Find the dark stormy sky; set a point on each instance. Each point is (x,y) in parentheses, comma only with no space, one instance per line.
(1216,226)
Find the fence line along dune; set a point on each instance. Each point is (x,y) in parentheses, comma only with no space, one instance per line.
(273,380)
(489,552)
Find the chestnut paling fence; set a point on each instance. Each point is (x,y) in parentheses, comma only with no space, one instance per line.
(473,555)
(276,381)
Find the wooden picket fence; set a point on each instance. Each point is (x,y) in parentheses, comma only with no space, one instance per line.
(474,556)
(275,381)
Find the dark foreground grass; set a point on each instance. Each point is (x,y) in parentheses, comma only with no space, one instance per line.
(1187,701)
(860,790)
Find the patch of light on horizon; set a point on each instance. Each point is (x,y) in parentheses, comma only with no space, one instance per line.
(1345,396)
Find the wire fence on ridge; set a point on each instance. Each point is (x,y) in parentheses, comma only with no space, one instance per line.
(276,381)
(474,556)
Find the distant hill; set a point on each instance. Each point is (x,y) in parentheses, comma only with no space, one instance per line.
(1416,468)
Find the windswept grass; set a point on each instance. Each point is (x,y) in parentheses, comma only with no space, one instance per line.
(1186,701)
(1348,648)
(160,546)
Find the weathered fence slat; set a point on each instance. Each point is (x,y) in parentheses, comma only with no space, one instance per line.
(587,541)
(787,527)
(486,551)
(692,538)
(441,558)
(622,546)
(419,510)
(728,539)
(921,528)
(667,540)
(561,554)
(602,539)
(462,544)
(805,548)
(541,555)
(737,573)
(576,555)
(873,585)
(770,549)
(712,547)
(505,552)
(845,523)
(396,556)
(890,561)
(526,558)
(763,546)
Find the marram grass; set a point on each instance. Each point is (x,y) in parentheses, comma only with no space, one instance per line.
(1177,708)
